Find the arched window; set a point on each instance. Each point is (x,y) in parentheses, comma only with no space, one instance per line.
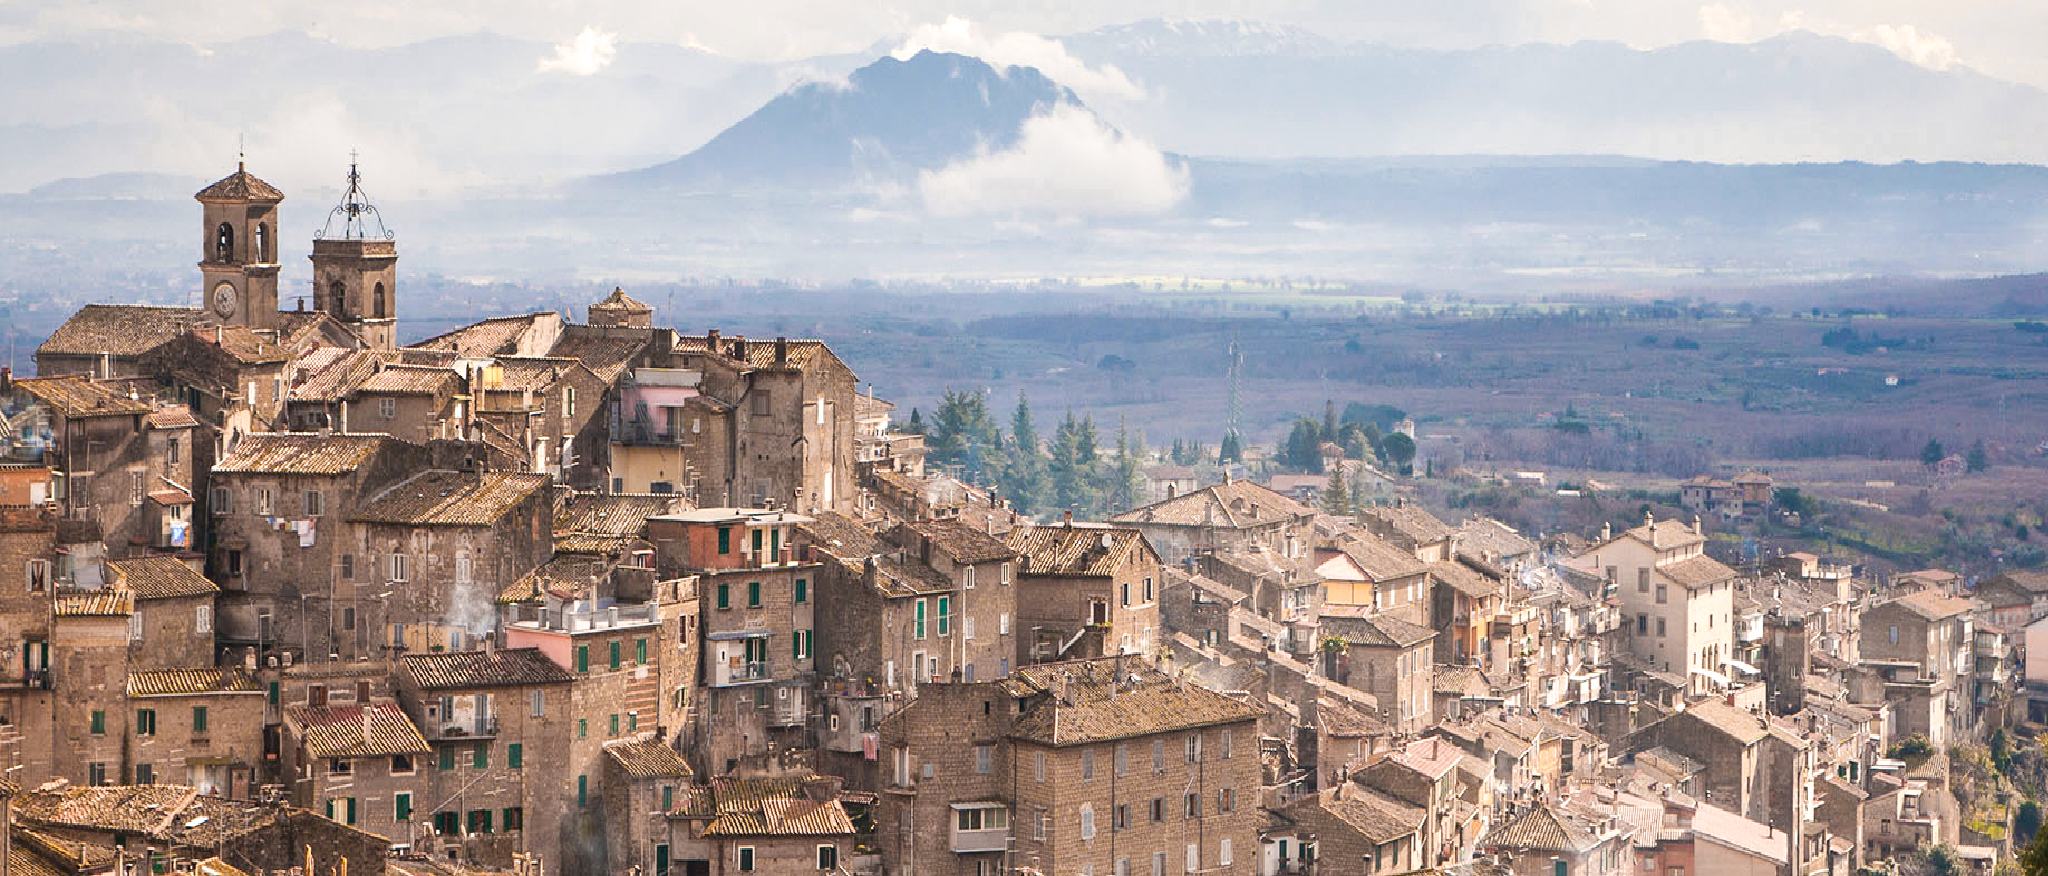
(263,243)
(377,303)
(224,243)
(337,299)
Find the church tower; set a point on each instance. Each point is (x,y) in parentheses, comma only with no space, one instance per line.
(355,268)
(238,250)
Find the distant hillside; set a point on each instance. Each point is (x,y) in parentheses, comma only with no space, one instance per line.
(889,120)
(1259,91)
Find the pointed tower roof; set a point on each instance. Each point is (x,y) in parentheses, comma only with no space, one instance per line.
(355,218)
(620,301)
(240,186)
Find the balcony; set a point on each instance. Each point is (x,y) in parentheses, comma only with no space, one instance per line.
(980,827)
(35,679)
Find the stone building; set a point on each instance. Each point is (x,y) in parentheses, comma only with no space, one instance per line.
(172,621)
(1082,585)
(1350,829)
(1537,839)
(1104,765)
(109,453)
(364,765)
(501,724)
(1919,644)
(176,826)
(644,781)
(786,410)
(1388,658)
(1231,516)
(198,727)
(441,545)
(1409,527)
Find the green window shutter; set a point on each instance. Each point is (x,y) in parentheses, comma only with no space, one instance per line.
(402,810)
(615,655)
(803,591)
(668,797)
(807,644)
(757,544)
(582,658)
(447,758)
(753,594)
(99,721)
(351,810)
(481,759)
(632,722)
(273,693)
(582,790)
(513,756)
(330,810)
(775,544)
(640,651)
(724,541)
(945,618)
(917,621)
(582,728)
(724,595)
(487,820)
(615,723)
(199,719)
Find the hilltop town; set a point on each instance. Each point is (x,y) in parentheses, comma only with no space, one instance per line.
(281,593)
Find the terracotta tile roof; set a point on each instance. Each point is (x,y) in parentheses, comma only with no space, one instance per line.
(216,867)
(1666,759)
(1737,832)
(107,602)
(34,853)
(1079,551)
(1411,521)
(169,814)
(1488,538)
(240,186)
(331,374)
(868,406)
(621,515)
(523,373)
(375,730)
(1086,701)
(411,380)
(648,759)
(803,352)
(605,351)
(451,498)
(118,329)
(1736,723)
(75,397)
(1377,631)
(1462,577)
(1232,505)
(507,667)
(1933,604)
(172,417)
(2030,581)
(1696,572)
(161,578)
(897,578)
(842,536)
(1668,534)
(1464,680)
(1753,477)
(1345,721)
(773,806)
(491,337)
(1430,757)
(191,682)
(299,453)
(1379,560)
(1541,829)
(566,576)
(1375,816)
(243,344)
(963,543)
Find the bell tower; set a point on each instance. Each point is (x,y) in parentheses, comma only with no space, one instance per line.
(355,268)
(238,250)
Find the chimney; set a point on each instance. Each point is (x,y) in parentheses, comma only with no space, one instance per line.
(739,347)
(711,340)
(6,378)
(1067,517)
(870,572)
(1696,530)
(1606,531)
(781,352)
(491,644)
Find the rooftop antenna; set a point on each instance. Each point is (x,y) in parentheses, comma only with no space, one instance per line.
(1236,413)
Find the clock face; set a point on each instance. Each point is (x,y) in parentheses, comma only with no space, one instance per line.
(224,299)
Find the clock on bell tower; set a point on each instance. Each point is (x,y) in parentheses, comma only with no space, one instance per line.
(238,249)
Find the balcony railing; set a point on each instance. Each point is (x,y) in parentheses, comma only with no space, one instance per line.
(966,841)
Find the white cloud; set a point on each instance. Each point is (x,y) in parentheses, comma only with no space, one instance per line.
(1929,50)
(591,51)
(1066,164)
(1728,25)
(1019,49)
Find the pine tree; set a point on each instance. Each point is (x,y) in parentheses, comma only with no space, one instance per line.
(1932,453)
(964,435)
(1074,477)
(916,424)
(1335,498)
(1024,472)
(1978,458)
(1232,449)
(1304,447)
(1122,491)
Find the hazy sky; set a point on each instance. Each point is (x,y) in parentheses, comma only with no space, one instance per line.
(2001,37)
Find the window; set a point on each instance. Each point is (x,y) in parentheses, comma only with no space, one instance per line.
(582,786)
(1194,746)
(1087,765)
(145,722)
(387,407)
(445,823)
(640,651)
(917,620)
(171,451)
(724,594)
(401,764)
(1892,633)
(480,758)
(1158,809)
(138,486)
(1123,766)
(945,615)
(145,774)
(828,857)
(96,774)
(1043,827)
(757,541)
(1003,624)
(754,593)
(746,859)
(615,723)
(315,502)
(265,502)
(1038,766)
(615,649)
(582,658)
(983,819)
(1158,864)
(348,567)
(340,766)
(984,759)
(1148,589)
(1642,580)
(1226,743)
(1124,591)
(401,806)
(479,821)
(761,402)
(1192,807)
(582,728)
(1661,598)
(400,564)
(1087,821)
(38,575)
(1158,755)
(1226,800)
(802,591)
(447,758)
(1223,853)
(1193,859)
(223,501)
(464,569)
(568,403)
(1120,817)
(800,644)
(540,703)
(724,540)
(1660,628)
(1642,624)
